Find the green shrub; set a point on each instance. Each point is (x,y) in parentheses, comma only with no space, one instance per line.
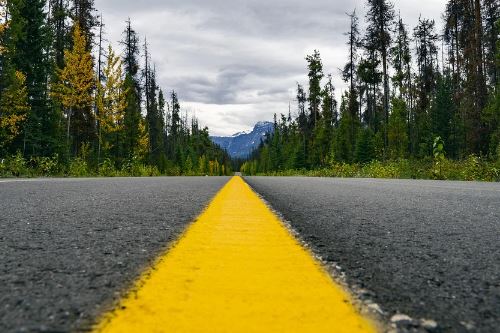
(107,169)
(377,169)
(3,168)
(46,166)
(135,168)
(173,171)
(78,168)
(16,166)
(439,158)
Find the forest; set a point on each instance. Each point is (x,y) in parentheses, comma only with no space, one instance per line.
(420,102)
(70,105)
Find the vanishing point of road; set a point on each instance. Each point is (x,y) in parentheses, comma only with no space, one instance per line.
(249,255)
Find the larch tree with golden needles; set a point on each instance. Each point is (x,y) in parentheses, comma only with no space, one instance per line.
(13,108)
(74,90)
(111,105)
(3,22)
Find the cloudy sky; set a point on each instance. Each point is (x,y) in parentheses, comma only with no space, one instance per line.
(236,62)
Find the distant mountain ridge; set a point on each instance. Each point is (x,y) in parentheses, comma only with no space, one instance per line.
(241,145)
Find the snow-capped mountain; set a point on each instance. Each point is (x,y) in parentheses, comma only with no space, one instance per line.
(240,145)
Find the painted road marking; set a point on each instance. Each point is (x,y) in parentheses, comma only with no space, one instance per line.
(236,269)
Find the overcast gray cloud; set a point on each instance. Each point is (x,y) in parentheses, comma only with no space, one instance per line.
(236,62)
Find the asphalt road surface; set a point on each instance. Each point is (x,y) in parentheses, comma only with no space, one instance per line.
(430,250)
(69,247)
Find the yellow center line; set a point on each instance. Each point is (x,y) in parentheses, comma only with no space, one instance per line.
(236,269)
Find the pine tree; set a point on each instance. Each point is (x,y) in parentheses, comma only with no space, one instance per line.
(402,79)
(74,90)
(27,42)
(132,118)
(132,51)
(59,13)
(397,131)
(133,115)
(344,144)
(349,73)
(380,19)
(491,115)
(84,13)
(442,113)
(491,14)
(365,149)
(401,61)
(301,104)
(154,122)
(370,78)
(175,127)
(315,67)
(426,83)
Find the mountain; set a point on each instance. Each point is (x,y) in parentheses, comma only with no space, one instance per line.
(240,145)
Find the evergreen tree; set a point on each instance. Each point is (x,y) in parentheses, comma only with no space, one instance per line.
(349,72)
(133,115)
(464,35)
(130,43)
(27,43)
(345,137)
(132,119)
(402,79)
(365,149)
(59,13)
(491,116)
(380,19)
(370,78)
(175,127)
(491,15)
(84,13)
(401,60)
(315,67)
(442,113)
(398,136)
(426,83)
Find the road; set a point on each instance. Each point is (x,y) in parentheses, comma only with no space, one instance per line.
(425,249)
(69,249)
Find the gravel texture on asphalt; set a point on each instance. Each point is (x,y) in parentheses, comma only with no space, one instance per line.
(70,248)
(429,250)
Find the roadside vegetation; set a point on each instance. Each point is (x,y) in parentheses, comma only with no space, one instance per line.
(18,166)
(471,169)
(420,103)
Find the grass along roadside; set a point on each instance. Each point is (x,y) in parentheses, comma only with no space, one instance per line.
(473,168)
(18,167)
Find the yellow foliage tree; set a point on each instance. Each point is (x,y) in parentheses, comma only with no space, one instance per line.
(3,22)
(143,144)
(76,80)
(13,108)
(111,101)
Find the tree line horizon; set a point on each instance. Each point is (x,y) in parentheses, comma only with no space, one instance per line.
(67,101)
(409,90)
